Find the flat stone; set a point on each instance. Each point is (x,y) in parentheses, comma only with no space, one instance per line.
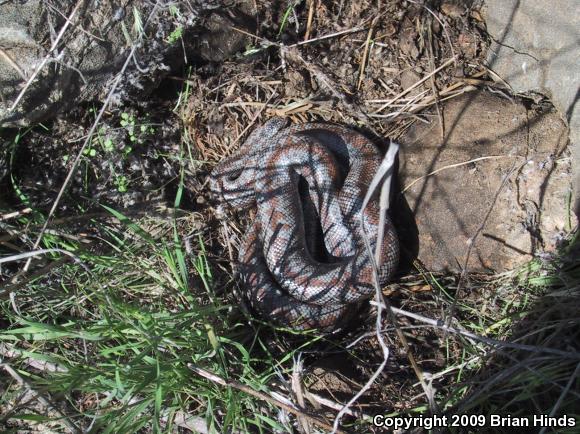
(496,157)
(536,48)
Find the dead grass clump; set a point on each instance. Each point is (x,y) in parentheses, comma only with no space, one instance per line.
(521,383)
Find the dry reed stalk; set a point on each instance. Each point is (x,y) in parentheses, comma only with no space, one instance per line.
(260,395)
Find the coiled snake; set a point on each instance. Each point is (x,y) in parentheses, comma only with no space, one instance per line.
(303,261)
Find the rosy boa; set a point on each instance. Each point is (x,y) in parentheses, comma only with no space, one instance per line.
(303,262)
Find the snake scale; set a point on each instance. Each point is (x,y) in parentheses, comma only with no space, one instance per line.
(303,262)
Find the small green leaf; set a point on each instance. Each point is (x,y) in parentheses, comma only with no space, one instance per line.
(108,145)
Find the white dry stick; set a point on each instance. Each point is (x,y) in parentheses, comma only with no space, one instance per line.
(89,135)
(385,172)
(47,57)
(299,393)
(404,92)
(272,397)
(408,107)
(318,400)
(493,342)
(472,240)
(451,166)
(440,22)
(30,255)
(443,373)
(37,253)
(15,214)
(331,35)
(255,118)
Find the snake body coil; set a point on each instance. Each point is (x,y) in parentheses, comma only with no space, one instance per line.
(303,261)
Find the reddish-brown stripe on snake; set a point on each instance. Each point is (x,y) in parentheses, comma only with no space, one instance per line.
(303,261)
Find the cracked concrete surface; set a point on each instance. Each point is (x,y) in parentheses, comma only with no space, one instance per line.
(536,48)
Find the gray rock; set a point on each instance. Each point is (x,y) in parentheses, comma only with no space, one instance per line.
(532,208)
(537,48)
(78,69)
(92,50)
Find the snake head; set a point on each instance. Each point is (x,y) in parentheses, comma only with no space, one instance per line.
(233,180)
(233,185)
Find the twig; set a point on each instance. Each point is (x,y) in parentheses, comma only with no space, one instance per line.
(298,391)
(255,118)
(410,103)
(473,239)
(314,398)
(12,63)
(15,214)
(44,401)
(499,78)
(265,41)
(322,77)
(8,290)
(88,139)
(320,38)
(562,395)
(404,92)
(196,424)
(429,393)
(451,166)
(29,255)
(446,371)
(79,27)
(365,55)
(440,324)
(248,104)
(384,172)
(260,395)
(433,84)
(440,22)
(44,366)
(379,297)
(445,91)
(340,9)
(93,215)
(327,82)
(420,105)
(309,20)
(41,252)
(46,58)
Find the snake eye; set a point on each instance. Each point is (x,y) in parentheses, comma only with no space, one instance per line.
(233,176)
